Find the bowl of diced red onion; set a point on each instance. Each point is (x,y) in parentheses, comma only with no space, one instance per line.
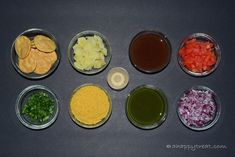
(199,108)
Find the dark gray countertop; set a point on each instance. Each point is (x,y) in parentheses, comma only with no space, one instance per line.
(119,22)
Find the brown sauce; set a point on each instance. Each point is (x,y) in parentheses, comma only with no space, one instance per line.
(150,51)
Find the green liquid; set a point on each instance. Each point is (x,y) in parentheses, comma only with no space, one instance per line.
(146,107)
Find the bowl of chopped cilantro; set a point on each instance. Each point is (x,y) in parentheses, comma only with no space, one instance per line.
(37,107)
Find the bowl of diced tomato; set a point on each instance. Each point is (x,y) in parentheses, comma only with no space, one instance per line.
(199,54)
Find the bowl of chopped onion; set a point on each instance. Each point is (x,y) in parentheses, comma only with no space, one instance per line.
(199,108)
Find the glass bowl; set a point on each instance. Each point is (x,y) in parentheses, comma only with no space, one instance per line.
(117,78)
(30,33)
(87,34)
(90,126)
(137,116)
(22,99)
(150,51)
(204,38)
(200,97)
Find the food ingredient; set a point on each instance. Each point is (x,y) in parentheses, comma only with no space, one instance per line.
(37,61)
(198,56)
(150,51)
(39,107)
(28,64)
(197,108)
(118,78)
(90,105)
(44,43)
(146,107)
(22,46)
(89,52)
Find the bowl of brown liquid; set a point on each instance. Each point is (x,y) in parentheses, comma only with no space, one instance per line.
(150,51)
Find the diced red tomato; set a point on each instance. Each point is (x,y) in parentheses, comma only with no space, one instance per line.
(198,56)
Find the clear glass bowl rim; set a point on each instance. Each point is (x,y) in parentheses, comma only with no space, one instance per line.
(84,34)
(157,124)
(104,120)
(218,108)
(217,52)
(24,93)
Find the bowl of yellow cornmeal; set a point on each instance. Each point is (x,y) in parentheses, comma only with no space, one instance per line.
(90,106)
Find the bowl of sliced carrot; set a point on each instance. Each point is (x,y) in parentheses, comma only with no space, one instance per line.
(199,54)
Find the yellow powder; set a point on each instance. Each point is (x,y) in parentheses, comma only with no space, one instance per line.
(89,105)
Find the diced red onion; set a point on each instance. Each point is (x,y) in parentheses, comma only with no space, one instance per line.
(197,107)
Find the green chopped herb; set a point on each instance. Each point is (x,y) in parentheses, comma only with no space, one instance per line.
(39,107)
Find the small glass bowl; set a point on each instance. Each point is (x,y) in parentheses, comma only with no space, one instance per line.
(23,97)
(30,33)
(217,113)
(156,124)
(88,126)
(87,34)
(123,72)
(201,37)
